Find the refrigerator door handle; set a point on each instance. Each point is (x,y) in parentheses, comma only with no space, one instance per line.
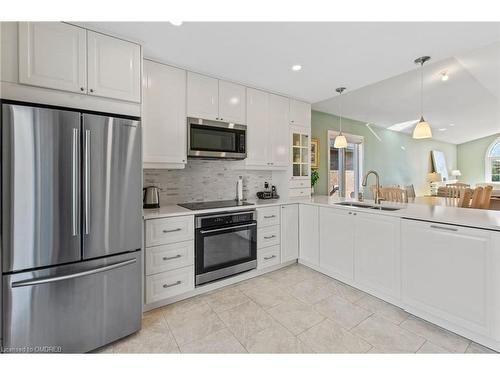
(45,280)
(87,181)
(74,183)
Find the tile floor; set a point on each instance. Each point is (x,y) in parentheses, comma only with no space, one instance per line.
(292,310)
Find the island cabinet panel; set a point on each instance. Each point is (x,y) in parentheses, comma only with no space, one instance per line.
(336,243)
(309,234)
(377,254)
(446,274)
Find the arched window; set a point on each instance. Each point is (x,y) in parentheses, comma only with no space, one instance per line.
(493,162)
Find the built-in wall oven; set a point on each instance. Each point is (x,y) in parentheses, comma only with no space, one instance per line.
(216,139)
(225,245)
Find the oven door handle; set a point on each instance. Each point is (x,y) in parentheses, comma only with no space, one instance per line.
(227,228)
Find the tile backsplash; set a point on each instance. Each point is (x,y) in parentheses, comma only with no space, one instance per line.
(205,180)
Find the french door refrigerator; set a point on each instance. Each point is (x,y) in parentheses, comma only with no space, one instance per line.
(71,229)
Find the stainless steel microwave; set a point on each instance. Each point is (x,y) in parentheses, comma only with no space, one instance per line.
(216,140)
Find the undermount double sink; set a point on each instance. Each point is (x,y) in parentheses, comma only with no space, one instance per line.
(369,206)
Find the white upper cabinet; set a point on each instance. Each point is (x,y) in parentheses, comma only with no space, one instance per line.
(257,128)
(232,102)
(53,55)
(114,67)
(202,96)
(164,116)
(289,232)
(278,130)
(300,113)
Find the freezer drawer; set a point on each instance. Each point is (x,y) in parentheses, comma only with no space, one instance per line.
(73,308)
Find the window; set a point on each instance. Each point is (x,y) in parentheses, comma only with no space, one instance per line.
(493,162)
(345,166)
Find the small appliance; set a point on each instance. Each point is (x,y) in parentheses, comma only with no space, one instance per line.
(151,197)
(209,139)
(268,194)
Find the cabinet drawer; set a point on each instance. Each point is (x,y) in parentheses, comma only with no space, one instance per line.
(169,257)
(268,216)
(169,284)
(299,192)
(268,236)
(269,256)
(169,230)
(300,184)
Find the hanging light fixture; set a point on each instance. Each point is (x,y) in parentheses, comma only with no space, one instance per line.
(422,129)
(340,140)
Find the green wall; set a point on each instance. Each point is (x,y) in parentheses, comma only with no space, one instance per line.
(470,159)
(399,159)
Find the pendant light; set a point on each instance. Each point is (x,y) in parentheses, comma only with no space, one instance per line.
(340,140)
(422,129)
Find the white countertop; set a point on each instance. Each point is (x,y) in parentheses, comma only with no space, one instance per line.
(427,211)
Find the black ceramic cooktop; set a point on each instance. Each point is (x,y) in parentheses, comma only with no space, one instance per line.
(213,204)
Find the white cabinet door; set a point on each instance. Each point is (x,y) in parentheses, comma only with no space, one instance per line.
(289,232)
(278,131)
(53,55)
(309,234)
(164,116)
(257,128)
(446,273)
(202,96)
(336,246)
(377,254)
(232,102)
(300,113)
(114,67)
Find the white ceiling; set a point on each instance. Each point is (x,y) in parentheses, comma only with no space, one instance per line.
(352,54)
(261,54)
(470,99)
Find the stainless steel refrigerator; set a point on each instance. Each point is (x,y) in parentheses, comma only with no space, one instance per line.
(71,229)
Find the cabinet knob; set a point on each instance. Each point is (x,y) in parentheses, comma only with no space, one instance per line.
(91,90)
(82,89)
(221,119)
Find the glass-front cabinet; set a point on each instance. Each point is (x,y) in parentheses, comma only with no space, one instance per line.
(300,182)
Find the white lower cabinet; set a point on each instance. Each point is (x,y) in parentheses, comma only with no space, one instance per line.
(336,242)
(169,284)
(377,254)
(268,236)
(169,257)
(289,232)
(446,273)
(309,234)
(269,256)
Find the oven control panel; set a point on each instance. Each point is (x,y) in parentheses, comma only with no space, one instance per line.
(224,219)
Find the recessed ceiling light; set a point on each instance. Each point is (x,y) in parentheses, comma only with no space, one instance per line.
(445,77)
(452,124)
(296,67)
(176,23)
(442,129)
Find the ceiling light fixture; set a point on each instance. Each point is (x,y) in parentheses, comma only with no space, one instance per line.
(444,76)
(340,140)
(422,129)
(176,23)
(296,67)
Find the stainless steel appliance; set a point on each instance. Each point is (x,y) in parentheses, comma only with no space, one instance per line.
(216,140)
(71,228)
(225,245)
(151,197)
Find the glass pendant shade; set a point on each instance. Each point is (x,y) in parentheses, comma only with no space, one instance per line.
(340,141)
(422,130)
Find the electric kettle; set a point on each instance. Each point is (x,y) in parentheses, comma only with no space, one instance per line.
(151,197)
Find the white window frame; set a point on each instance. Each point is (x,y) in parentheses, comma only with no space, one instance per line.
(489,159)
(351,138)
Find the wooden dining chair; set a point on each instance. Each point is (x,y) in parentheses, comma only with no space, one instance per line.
(465,199)
(410,192)
(392,194)
(477,197)
(486,197)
